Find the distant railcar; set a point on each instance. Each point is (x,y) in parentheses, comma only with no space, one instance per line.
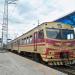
(51,42)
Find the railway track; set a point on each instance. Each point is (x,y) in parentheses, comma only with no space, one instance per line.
(69,69)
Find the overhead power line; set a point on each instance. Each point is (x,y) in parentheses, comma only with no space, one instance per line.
(5,22)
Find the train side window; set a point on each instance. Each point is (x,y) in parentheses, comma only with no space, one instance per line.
(30,39)
(20,42)
(41,34)
(15,43)
(25,42)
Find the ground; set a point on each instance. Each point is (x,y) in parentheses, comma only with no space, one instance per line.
(12,64)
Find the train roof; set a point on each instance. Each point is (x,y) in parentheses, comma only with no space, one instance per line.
(42,24)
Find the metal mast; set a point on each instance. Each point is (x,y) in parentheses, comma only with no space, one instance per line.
(5,22)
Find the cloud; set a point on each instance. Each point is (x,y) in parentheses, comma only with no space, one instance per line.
(25,14)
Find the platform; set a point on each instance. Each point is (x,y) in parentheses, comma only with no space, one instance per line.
(12,64)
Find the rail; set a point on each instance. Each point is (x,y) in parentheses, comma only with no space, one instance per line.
(69,69)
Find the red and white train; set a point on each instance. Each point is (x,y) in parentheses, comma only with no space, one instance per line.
(50,42)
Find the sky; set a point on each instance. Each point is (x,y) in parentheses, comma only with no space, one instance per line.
(24,15)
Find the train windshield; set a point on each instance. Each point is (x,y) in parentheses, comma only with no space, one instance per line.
(60,33)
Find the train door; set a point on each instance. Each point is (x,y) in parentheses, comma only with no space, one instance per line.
(35,41)
(38,38)
(36,55)
(18,43)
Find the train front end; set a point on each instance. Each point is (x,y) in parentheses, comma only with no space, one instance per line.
(60,46)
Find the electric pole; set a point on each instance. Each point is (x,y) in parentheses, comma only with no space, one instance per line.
(5,22)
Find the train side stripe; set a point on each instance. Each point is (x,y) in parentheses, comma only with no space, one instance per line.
(31,45)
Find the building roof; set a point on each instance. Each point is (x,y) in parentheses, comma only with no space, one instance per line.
(68,19)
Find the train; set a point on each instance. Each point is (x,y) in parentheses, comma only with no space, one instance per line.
(49,42)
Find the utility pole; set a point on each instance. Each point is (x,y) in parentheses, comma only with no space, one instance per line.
(38,22)
(5,22)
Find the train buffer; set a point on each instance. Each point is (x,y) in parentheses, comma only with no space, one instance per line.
(12,64)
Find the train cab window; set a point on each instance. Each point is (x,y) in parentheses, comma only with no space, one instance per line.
(41,34)
(60,33)
(70,36)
